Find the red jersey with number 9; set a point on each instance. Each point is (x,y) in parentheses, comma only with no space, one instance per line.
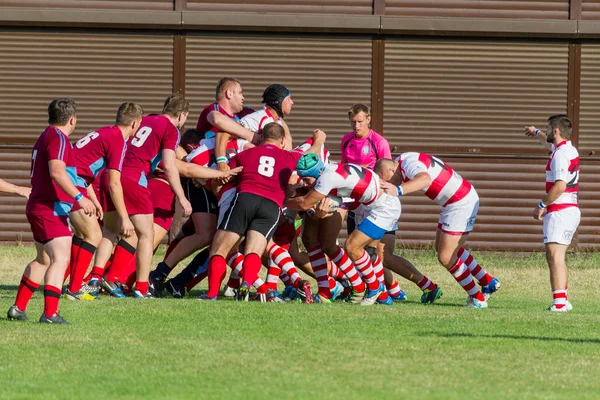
(156,133)
(267,171)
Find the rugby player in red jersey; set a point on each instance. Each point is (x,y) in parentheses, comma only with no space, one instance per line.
(52,196)
(100,149)
(254,212)
(156,139)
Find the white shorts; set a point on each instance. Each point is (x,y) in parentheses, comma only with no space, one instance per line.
(560,226)
(459,218)
(379,217)
(224,203)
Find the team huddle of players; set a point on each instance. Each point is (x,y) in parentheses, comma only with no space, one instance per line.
(250,196)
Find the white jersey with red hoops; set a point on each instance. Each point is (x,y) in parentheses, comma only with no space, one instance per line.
(349,181)
(447,187)
(563,165)
(204,154)
(256,121)
(323,154)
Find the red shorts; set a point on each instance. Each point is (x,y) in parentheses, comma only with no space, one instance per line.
(48,227)
(163,203)
(137,198)
(83,191)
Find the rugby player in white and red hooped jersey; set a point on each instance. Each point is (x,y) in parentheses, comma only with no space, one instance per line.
(156,139)
(376,211)
(560,203)
(100,149)
(53,176)
(412,172)
(254,212)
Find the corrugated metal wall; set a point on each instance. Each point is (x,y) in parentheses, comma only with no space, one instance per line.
(99,4)
(590,9)
(589,199)
(471,96)
(547,9)
(324,75)
(99,71)
(284,6)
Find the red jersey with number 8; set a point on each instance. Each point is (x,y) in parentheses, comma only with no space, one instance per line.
(156,133)
(267,171)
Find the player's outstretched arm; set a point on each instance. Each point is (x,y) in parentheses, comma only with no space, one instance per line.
(532,131)
(303,203)
(58,173)
(289,145)
(7,187)
(419,182)
(319,138)
(228,125)
(169,161)
(116,194)
(195,171)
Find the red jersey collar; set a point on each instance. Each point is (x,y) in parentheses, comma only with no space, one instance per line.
(562,143)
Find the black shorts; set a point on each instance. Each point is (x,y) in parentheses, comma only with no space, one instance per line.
(202,200)
(250,212)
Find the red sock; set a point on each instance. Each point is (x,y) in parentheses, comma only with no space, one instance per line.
(171,247)
(463,276)
(75,245)
(477,271)
(96,273)
(281,256)
(426,284)
(347,267)
(273,275)
(285,279)
(378,269)
(82,262)
(141,287)
(394,289)
(128,271)
(262,289)
(251,267)
(559,298)
(365,267)
(235,262)
(216,273)
(25,291)
(51,299)
(318,263)
(124,253)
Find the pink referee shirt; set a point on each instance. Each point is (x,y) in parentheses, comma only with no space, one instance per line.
(364,151)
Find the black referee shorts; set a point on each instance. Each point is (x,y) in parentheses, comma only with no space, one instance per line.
(202,200)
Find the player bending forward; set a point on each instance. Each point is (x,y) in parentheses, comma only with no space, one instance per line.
(412,172)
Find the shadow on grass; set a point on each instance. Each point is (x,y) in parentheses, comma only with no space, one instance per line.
(9,287)
(521,337)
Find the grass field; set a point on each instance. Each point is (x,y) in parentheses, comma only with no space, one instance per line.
(180,349)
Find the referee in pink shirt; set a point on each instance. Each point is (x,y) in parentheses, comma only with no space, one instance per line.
(363,146)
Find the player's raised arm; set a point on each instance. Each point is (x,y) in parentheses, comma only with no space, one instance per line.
(532,131)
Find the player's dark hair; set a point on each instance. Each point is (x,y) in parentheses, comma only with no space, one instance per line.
(191,138)
(563,123)
(382,164)
(129,112)
(175,104)
(272,131)
(61,110)
(223,85)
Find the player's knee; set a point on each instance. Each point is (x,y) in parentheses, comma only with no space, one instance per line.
(444,258)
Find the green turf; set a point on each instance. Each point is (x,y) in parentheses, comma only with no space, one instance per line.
(181,349)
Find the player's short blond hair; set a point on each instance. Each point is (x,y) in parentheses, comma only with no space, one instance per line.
(129,112)
(357,109)
(176,104)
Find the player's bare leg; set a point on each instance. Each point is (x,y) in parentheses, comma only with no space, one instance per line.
(355,248)
(205,228)
(447,247)
(30,281)
(144,229)
(58,250)
(555,256)
(90,234)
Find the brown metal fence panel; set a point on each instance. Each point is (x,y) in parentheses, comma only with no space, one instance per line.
(508,187)
(15,165)
(283,6)
(590,9)
(547,9)
(589,116)
(324,75)
(92,4)
(99,71)
(589,199)
(471,96)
